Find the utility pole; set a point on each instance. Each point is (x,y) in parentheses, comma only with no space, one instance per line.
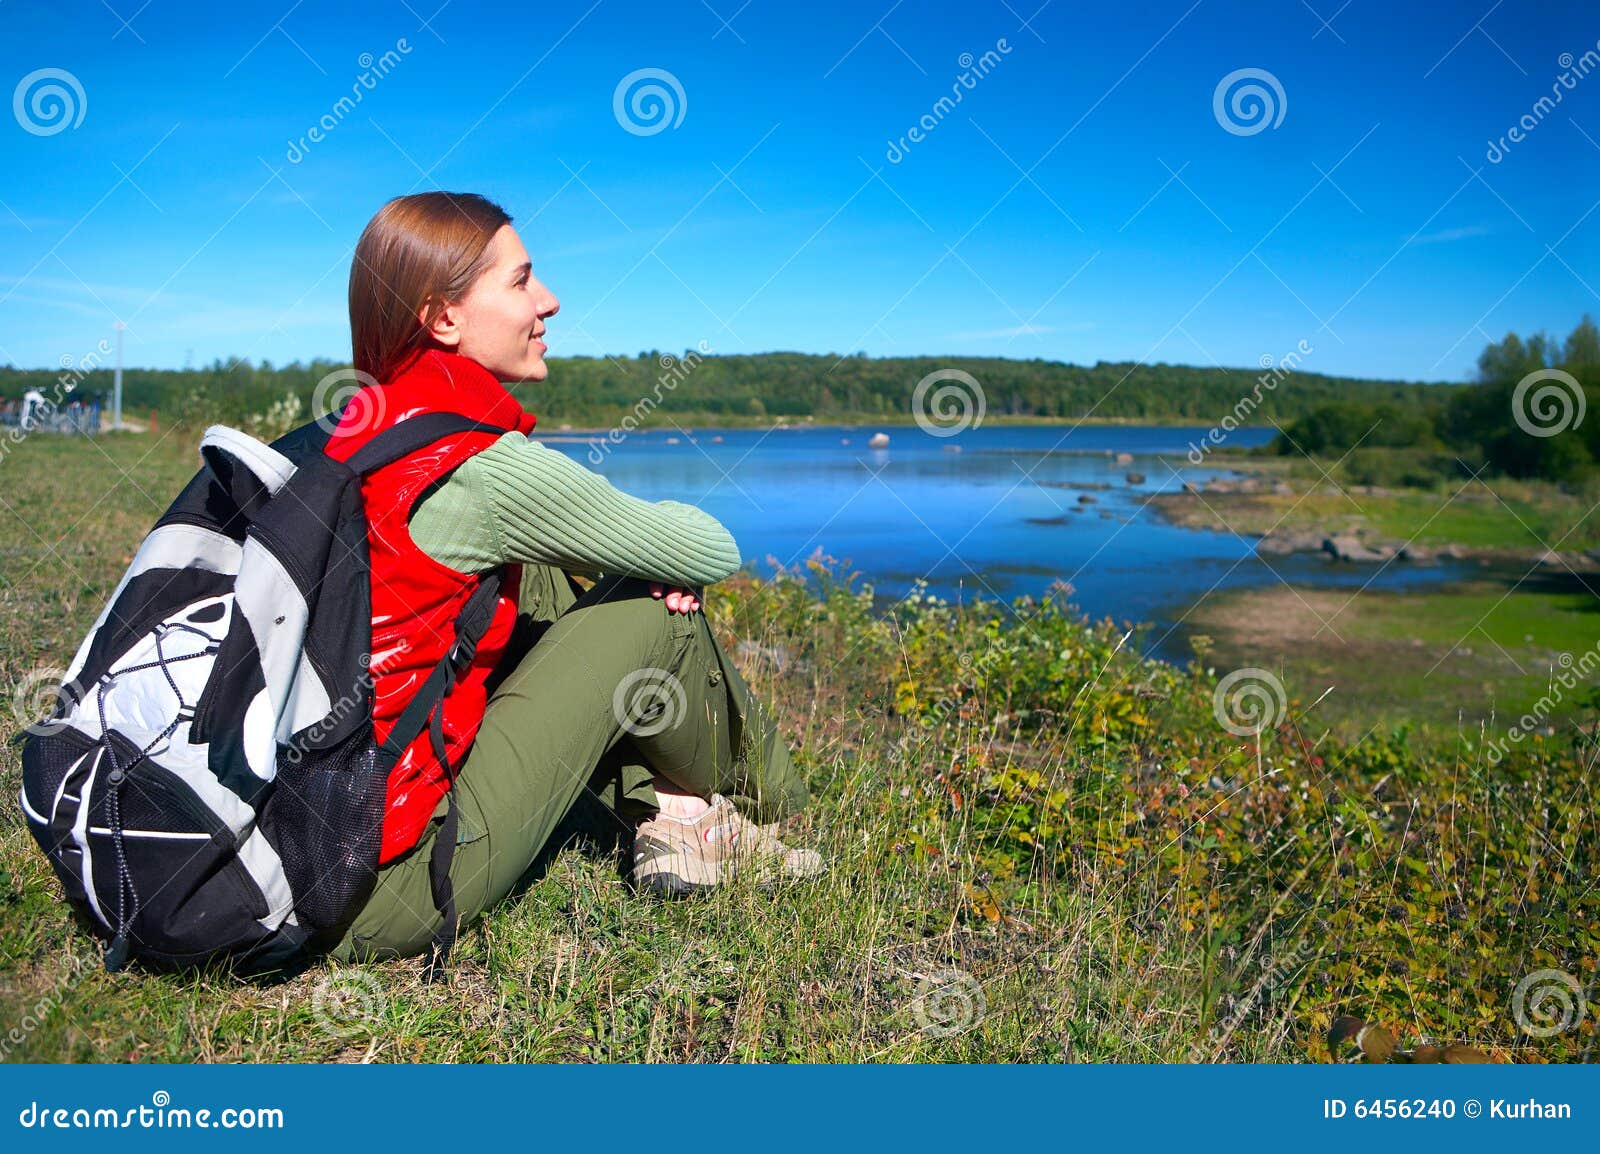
(116,384)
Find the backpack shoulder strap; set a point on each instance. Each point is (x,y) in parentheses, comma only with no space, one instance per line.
(471,623)
(411,436)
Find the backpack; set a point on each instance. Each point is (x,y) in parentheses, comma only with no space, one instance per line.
(208,786)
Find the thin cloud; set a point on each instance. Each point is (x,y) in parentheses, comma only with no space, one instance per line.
(1445,236)
(999,334)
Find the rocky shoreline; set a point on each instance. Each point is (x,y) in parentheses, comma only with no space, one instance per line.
(1204,507)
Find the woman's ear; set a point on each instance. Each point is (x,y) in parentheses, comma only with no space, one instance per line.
(446,324)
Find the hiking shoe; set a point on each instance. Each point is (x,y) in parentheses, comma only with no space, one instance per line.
(673,858)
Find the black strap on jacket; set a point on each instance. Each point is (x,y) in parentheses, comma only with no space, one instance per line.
(412,435)
(426,709)
(444,848)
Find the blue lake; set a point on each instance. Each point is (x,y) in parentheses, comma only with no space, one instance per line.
(997,519)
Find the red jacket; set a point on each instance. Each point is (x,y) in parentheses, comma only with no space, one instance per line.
(415,598)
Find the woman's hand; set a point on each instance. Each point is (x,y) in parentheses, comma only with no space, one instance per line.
(679,598)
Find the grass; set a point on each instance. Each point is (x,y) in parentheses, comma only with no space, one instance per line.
(1478,653)
(1043,848)
(1475,652)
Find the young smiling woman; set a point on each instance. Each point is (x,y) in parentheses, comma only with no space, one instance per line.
(620,694)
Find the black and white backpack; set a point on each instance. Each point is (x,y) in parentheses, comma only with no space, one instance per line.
(209,786)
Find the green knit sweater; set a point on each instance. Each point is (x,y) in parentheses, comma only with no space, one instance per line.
(518,500)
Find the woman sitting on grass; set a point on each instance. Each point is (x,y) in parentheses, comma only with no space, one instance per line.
(620,693)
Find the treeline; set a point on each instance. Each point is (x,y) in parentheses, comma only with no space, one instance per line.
(1527,416)
(657,389)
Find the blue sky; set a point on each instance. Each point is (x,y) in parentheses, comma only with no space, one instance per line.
(1084,201)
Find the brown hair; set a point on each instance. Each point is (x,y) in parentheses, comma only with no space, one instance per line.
(419,250)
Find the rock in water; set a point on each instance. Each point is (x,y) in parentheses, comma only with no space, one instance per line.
(879,441)
(1346,547)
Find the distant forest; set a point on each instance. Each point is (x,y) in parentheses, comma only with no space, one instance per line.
(1529,414)
(687,389)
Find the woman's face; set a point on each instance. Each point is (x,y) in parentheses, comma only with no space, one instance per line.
(499,322)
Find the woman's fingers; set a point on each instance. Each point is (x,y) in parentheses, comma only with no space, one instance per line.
(678,600)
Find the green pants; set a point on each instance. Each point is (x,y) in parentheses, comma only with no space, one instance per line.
(597,692)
